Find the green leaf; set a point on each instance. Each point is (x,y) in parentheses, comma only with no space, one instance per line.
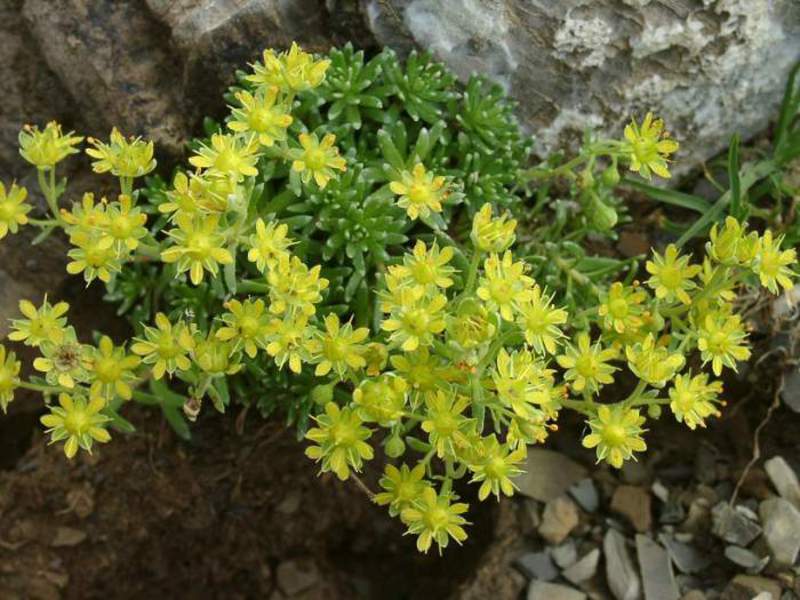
(789,110)
(177,421)
(738,208)
(667,196)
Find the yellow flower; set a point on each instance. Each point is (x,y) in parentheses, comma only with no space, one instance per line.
(165,347)
(621,309)
(197,246)
(539,320)
(247,323)
(216,357)
(13,209)
(693,399)
(772,264)
(268,244)
(260,115)
(338,348)
(724,242)
(434,518)
(294,71)
(492,234)
(86,216)
(421,193)
(9,376)
(648,147)
(653,364)
(122,157)
(402,486)
(504,285)
(317,159)
(445,424)
(521,382)
(425,267)
(63,363)
(228,155)
(382,399)
(294,288)
(423,371)
(45,324)
(125,224)
(416,320)
(341,439)
(616,433)
(470,324)
(94,256)
(495,466)
(586,364)
(79,423)
(722,340)
(113,370)
(45,148)
(288,342)
(672,275)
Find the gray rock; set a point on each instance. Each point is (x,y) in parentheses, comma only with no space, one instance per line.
(295,576)
(541,590)
(565,555)
(748,587)
(584,569)
(622,578)
(656,568)
(784,479)
(753,563)
(781,529)
(548,474)
(559,518)
(734,525)
(660,491)
(584,492)
(791,389)
(537,565)
(687,559)
(722,64)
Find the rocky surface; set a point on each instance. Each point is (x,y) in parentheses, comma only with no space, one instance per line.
(709,67)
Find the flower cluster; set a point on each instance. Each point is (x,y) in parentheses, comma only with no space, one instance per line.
(335,238)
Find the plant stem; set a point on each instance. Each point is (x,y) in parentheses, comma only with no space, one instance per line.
(37,387)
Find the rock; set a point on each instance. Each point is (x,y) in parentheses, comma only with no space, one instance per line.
(559,518)
(565,555)
(635,504)
(734,525)
(721,65)
(537,565)
(791,389)
(584,492)
(654,564)
(694,595)
(784,479)
(687,558)
(660,491)
(540,590)
(747,587)
(781,522)
(67,536)
(295,576)
(584,569)
(744,558)
(622,578)
(548,474)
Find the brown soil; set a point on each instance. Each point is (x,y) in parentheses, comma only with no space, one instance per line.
(149,516)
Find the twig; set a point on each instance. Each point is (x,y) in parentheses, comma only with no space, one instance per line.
(370,494)
(776,401)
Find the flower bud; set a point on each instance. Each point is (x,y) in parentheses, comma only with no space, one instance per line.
(654,411)
(322,394)
(492,235)
(610,176)
(395,446)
